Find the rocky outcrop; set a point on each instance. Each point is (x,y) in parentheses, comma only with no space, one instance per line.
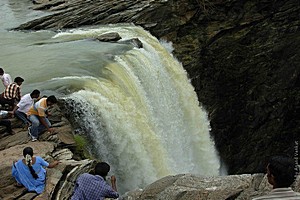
(192,187)
(109,37)
(56,146)
(135,42)
(241,56)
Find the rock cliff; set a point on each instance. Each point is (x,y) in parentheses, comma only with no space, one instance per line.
(242,58)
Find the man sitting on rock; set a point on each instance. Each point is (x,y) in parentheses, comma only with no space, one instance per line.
(281,173)
(12,93)
(24,105)
(90,186)
(38,117)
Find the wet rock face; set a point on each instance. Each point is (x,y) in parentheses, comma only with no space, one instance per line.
(242,58)
(248,79)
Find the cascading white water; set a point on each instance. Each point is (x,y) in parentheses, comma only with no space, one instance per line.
(143,114)
(140,110)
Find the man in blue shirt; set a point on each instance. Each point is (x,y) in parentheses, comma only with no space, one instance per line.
(94,187)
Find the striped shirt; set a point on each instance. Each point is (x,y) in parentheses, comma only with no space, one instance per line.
(280,193)
(12,91)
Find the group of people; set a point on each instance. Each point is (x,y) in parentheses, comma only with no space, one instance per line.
(30,108)
(30,173)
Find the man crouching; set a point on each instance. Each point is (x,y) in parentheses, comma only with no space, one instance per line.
(90,186)
(38,117)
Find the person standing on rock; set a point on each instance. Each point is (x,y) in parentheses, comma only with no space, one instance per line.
(90,186)
(24,105)
(30,172)
(281,173)
(6,78)
(38,117)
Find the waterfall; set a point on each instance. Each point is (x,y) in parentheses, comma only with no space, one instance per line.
(143,114)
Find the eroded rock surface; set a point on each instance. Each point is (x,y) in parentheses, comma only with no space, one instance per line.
(193,187)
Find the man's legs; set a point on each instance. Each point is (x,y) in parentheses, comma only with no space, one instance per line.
(22,116)
(7,124)
(35,123)
(36,127)
(41,127)
(3,101)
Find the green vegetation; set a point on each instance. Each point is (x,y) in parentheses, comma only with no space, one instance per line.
(81,149)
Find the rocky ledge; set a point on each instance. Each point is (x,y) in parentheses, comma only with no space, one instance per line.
(57,146)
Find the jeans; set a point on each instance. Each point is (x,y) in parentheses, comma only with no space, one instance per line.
(37,127)
(22,116)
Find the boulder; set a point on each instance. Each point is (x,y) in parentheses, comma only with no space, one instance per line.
(194,187)
(109,37)
(188,186)
(66,189)
(136,42)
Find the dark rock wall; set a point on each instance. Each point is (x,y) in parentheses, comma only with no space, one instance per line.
(243,57)
(247,76)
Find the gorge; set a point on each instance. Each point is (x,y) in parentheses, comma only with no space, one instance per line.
(241,57)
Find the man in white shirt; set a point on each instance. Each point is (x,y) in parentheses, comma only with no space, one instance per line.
(6,78)
(281,173)
(24,105)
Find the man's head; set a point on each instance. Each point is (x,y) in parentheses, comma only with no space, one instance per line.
(102,169)
(1,71)
(19,80)
(281,171)
(35,94)
(51,100)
